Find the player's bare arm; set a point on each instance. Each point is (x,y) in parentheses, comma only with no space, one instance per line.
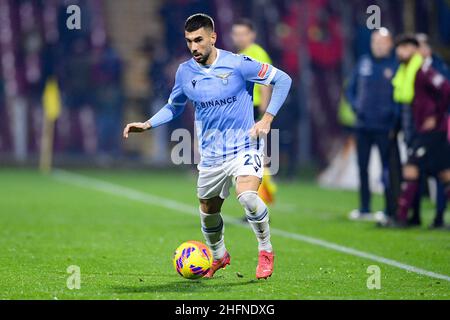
(266,92)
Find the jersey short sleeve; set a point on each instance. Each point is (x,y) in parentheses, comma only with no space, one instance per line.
(256,71)
(177,97)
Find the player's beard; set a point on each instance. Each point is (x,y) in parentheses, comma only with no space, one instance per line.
(204,58)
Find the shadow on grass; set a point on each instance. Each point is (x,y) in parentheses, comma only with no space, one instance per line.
(203,285)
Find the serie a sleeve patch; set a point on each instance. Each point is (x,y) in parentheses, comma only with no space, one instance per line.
(263,71)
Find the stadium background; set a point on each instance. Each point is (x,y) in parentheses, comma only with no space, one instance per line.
(121,226)
(120,66)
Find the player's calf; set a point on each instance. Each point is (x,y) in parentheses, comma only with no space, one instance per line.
(213,230)
(211,206)
(258,216)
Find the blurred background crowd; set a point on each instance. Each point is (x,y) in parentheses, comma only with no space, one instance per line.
(120,67)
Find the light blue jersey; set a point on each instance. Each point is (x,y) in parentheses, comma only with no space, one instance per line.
(222,96)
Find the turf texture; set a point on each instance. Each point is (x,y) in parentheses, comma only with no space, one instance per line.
(124,246)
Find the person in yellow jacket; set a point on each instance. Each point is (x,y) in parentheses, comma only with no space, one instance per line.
(244,35)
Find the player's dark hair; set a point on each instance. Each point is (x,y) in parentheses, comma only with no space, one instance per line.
(197,21)
(406,39)
(245,22)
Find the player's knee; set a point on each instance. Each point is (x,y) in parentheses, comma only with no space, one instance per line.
(249,200)
(244,183)
(210,206)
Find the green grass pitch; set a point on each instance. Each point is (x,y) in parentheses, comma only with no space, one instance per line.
(122,237)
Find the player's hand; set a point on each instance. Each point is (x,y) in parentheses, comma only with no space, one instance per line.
(262,127)
(135,127)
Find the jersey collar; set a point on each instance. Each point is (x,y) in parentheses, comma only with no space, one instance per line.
(208,70)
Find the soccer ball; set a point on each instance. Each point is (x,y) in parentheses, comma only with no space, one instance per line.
(192,260)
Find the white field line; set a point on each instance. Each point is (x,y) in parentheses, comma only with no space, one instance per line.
(132,194)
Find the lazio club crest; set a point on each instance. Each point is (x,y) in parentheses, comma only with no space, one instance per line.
(224,77)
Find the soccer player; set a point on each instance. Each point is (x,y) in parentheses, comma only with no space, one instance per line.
(220,86)
(243,35)
(417,84)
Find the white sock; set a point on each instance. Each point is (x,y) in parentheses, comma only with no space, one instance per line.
(258,216)
(262,232)
(212,229)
